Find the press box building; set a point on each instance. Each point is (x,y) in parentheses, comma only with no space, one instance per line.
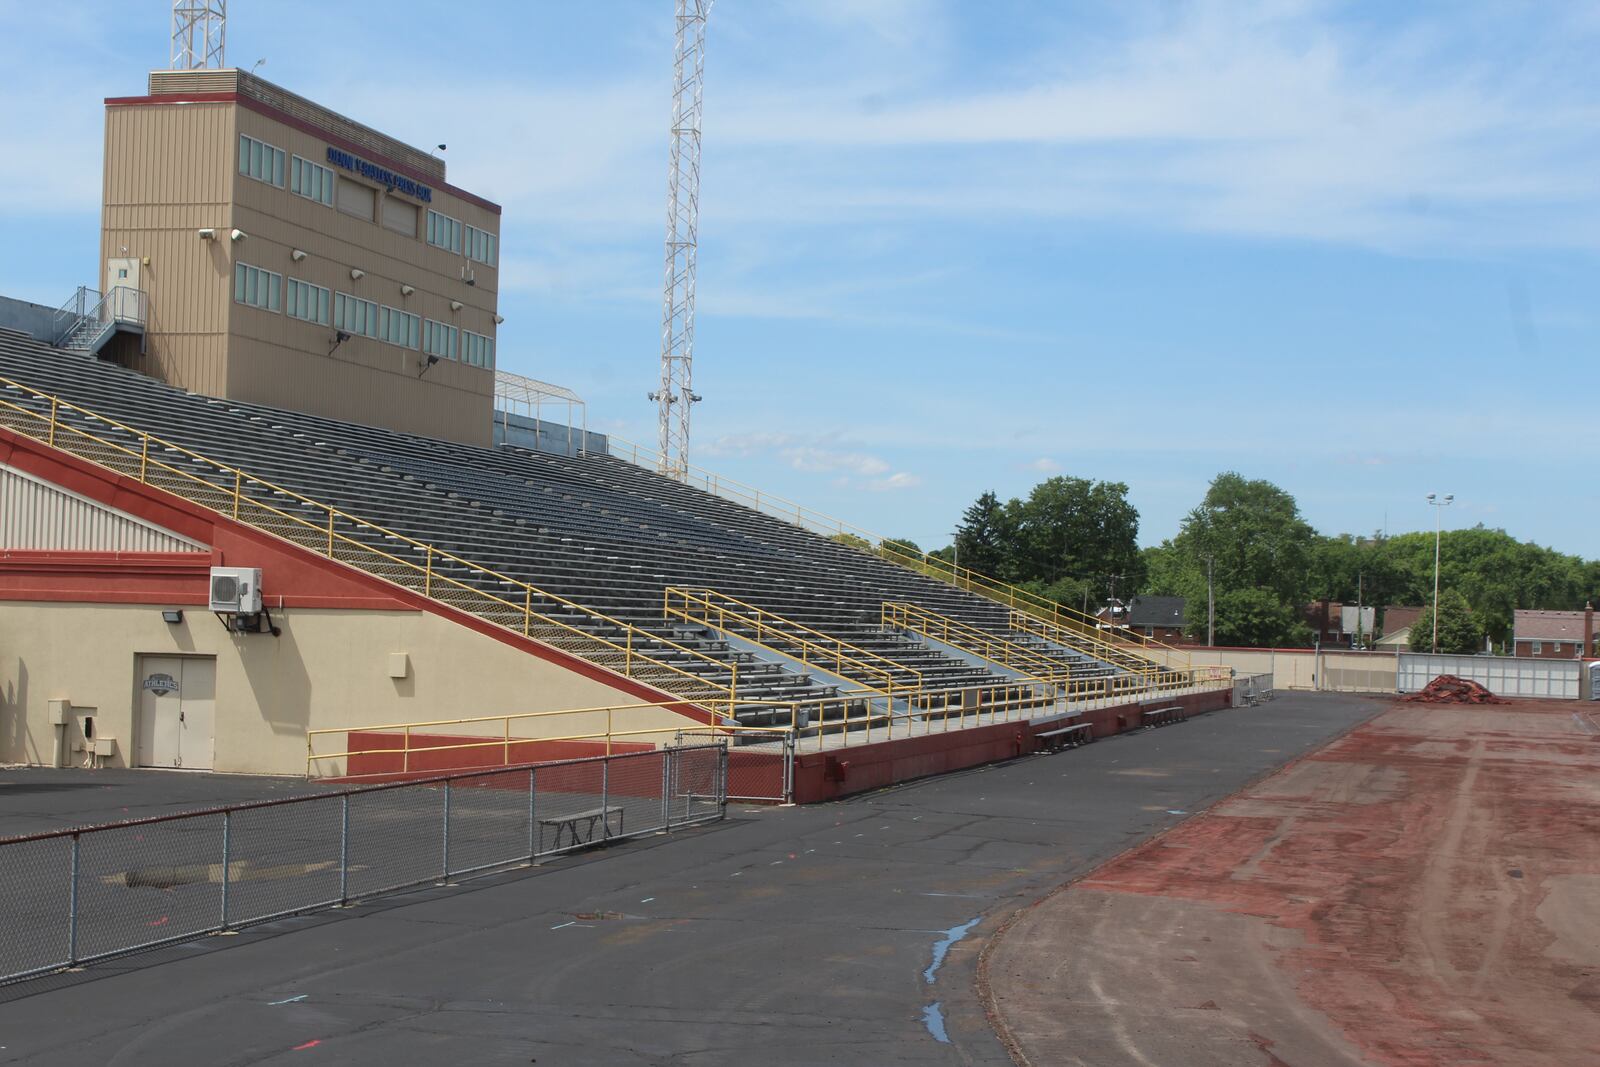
(279,253)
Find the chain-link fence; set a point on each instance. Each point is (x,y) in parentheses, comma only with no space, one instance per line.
(1251,689)
(74,896)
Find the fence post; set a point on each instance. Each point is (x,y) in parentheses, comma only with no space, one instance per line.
(52,438)
(446,835)
(533,822)
(605,799)
(788,769)
(344,849)
(227,844)
(666,777)
(72,909)
(722,783)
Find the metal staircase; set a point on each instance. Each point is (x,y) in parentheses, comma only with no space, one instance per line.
(91,318)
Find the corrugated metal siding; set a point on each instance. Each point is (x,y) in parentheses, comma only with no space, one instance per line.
(169,173)
(37,515)
(1501,675)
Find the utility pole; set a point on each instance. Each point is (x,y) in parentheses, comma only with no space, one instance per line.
(1359,577)
(1438,529)
(682,249)
(1211,606)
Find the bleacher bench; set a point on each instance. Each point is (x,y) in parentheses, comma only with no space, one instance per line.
(1079,733)
(1150,718)
(581,826)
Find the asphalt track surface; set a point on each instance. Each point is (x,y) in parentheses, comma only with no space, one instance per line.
(35,800)
(837,933)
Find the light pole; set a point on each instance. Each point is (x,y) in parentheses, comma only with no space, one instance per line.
(1438,527)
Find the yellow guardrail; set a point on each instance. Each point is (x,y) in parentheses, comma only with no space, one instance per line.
(973,641)
(1012,596)
(228,497)
(1117,655)
(811,648)
(826,722)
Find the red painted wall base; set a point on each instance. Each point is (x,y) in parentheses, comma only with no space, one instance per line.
(829,775)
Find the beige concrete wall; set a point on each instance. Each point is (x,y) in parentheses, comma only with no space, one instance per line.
(1341,671)
(328,669)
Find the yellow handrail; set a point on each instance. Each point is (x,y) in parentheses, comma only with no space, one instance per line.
(234,502)
(1091,643)
(973,641)
(931,566)
(1016,700)
(788,627)
(718,616)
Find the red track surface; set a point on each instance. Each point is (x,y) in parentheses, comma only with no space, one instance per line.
(1424,891)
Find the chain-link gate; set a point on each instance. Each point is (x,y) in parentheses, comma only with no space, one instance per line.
(75,896)
(762,772)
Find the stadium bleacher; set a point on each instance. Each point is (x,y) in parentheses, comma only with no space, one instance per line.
(593,530)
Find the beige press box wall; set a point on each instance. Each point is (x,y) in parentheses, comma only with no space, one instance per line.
(172,169)
(163,183)
(328,669)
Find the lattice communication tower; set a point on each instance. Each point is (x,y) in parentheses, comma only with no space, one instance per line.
(199,31)
(675,397)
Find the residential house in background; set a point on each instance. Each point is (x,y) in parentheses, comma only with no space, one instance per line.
(1395,626)
(1553,634)
(1157,617)
(1339,625)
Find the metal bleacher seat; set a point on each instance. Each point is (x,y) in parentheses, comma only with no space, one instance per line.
(593,529)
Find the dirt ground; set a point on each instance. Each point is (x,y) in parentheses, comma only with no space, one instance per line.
(1424,891)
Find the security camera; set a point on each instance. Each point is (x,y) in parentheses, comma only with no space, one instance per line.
(207,234)
(407,290)
(455,305)
(357,273)
(498,319)
(297,255)
(237,235)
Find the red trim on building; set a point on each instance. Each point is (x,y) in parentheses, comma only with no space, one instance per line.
(304,578)
(263,108)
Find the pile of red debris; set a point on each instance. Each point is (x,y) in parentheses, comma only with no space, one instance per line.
(1448,689)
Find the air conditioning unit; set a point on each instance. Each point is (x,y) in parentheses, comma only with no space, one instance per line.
(236,590)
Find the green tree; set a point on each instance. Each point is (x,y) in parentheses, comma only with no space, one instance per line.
(1255,617)
(1460,631)
(986,539)
(1258,548)
(1076,528)
(1350,569)
(902,546)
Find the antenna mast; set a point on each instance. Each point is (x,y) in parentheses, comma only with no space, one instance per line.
(199,28)
(683,223)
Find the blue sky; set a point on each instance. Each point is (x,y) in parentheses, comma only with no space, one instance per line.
(949,247)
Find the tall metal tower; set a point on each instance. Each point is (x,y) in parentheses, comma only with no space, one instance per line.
(199,29)
(683,223)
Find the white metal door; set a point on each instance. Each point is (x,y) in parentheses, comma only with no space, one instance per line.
(177,712)
(199,741)
(160,707)
(122,287)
